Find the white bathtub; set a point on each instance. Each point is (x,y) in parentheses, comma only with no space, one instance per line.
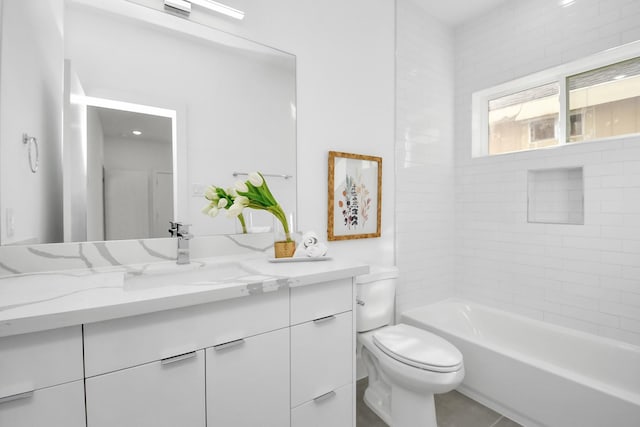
(536,373)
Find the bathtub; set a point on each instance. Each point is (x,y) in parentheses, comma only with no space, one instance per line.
(536,373)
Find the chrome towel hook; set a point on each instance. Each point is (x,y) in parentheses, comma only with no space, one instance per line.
(32,144)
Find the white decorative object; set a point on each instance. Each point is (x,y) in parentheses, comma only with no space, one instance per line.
(310,247)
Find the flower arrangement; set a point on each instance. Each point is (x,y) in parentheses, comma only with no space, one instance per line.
(253,193)
(222,199)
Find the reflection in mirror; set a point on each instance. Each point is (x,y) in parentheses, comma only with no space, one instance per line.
(31,74)
(138,176)
(233,102)
(129,175)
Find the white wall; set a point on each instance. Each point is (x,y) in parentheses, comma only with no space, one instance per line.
(95,187)
(142,154)
(345,97)
(148,156)
(424,157)
(77,161)
(582,276)
(31,84)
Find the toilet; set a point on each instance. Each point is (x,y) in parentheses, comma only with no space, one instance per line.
(406,365)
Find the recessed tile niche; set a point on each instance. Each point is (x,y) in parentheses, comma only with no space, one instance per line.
(556,196)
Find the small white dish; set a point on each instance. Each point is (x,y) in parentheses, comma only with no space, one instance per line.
(300,259)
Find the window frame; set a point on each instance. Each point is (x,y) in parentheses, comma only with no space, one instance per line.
(559,74)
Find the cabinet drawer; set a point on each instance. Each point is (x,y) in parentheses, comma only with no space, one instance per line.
(248,382)
(321,357)
(62,405)
(41,359)
(314,301)
(333,409)
(153,395)
(120,343)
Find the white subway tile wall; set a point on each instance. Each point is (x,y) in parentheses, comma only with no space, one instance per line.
(580,276)
(424,157)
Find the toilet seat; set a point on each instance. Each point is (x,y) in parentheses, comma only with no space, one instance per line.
(418,348)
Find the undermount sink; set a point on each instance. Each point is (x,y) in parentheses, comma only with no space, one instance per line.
(191,274)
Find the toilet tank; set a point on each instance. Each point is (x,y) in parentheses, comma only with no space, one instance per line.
(375,294)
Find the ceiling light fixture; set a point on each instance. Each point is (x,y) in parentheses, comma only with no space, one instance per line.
(184,7)
(136,132)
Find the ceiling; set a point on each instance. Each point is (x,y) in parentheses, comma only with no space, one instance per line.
(119,124)
(455,12)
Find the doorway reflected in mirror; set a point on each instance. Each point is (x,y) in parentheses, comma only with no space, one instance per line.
(121,185)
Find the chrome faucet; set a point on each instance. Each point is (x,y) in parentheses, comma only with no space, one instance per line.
(181,231)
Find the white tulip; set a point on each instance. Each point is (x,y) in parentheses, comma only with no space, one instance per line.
(210,193)
(213,211)
(232,192)
(235,210)
(242,200)
(241,187)
(222,203)
(206,208)
(256,179)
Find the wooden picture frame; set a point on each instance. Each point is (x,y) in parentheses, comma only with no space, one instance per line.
(355,196)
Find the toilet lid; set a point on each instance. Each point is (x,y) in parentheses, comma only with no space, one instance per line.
(419,348)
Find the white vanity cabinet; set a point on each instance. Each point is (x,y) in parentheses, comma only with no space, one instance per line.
(322,355)
(165,393)
(248,382)
(156,369)
(61,405)
(41,379)
(273,354)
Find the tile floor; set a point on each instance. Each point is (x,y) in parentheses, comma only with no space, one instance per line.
(452,410)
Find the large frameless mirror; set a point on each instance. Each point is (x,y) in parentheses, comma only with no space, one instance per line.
(133,113)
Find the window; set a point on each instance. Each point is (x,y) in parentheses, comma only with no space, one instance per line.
(524,120)
(543,130)
(610,96)
(592,99)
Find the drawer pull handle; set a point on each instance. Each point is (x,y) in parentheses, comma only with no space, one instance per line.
(324,397)
(323,319)
(229,344)
(17,396)
(178,358)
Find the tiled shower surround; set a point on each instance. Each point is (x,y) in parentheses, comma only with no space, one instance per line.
(424,157)
(581,276)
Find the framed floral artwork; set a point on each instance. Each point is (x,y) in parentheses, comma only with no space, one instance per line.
(355,196)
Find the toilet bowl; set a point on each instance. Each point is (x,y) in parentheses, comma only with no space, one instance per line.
(406,365)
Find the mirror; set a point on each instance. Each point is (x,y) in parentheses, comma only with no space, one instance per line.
(227,107)
(129,175)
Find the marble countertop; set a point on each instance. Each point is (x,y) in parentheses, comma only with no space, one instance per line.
(47,300)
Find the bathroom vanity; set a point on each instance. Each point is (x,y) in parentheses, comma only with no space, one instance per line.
(240,343)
